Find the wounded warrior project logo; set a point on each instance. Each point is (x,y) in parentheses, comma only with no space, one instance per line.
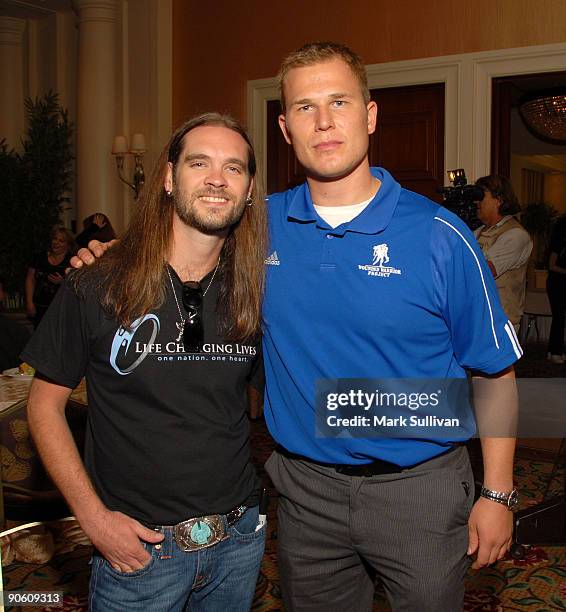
(378,265)
(131,346)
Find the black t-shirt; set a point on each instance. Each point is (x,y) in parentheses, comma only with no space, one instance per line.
(44,290)
(168,434)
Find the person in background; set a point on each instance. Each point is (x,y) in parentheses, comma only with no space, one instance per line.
(556,289)
(505,243)
(96,227)
(47,272)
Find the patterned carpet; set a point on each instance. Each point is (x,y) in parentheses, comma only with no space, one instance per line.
(536,583)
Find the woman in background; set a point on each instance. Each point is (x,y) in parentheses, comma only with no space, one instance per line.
(556,289)
(47,272)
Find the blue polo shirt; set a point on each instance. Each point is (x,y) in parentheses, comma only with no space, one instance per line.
(401,291)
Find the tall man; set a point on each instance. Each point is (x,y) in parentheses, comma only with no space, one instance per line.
(505,243)
(372,281)
(166,330)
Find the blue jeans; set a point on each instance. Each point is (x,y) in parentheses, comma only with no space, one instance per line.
(221,578)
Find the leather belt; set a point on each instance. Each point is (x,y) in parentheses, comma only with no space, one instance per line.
(369,469)
(375,468)
(203,531)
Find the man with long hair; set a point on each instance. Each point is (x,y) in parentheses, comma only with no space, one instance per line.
(166,329)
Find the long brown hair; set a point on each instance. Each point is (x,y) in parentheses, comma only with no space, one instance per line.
(130,276)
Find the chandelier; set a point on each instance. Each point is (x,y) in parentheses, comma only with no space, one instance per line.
(544,114)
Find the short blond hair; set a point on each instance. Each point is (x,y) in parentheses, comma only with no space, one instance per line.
(317,52)
(66,233)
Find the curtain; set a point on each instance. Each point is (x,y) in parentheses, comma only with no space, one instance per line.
(532,186)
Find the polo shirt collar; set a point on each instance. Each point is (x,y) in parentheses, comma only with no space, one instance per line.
(373,219)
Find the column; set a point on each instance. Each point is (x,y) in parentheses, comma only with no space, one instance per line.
(11,80)
(97,185)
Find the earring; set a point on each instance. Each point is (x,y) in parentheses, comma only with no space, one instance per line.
(168,193)
(249,201)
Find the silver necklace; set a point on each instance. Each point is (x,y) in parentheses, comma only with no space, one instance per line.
(182,320)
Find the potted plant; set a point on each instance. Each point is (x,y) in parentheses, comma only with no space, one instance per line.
(538,219)
(13,180)
(35,185)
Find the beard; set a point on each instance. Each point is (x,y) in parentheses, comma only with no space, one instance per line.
(209,220)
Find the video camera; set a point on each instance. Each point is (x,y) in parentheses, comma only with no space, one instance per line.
(460,198)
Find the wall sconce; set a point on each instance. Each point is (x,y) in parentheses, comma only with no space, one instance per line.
(120,150)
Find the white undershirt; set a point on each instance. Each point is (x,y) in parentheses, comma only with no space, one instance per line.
(336,215)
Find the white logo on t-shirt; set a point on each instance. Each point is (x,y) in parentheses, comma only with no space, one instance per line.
(272,260)
(380,257)
(123,338)
(380,254)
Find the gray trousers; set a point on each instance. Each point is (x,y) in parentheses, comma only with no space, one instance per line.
(336,532)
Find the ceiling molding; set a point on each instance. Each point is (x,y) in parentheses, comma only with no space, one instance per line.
(33,9)
(546,163)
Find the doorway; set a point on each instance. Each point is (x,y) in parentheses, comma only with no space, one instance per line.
(537,169)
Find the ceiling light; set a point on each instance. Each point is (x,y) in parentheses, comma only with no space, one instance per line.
(544,114)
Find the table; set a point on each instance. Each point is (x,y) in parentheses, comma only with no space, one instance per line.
(26,492)
(14,390)
(22,476)
(537,313)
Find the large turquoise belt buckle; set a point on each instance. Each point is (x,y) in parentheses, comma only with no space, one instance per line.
(199,533)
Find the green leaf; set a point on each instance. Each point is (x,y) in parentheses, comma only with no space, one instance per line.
(40,574)
(527,601)
(545,578)
(512,572)
(558,602)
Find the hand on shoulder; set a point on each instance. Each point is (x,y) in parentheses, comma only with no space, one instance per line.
(87,256)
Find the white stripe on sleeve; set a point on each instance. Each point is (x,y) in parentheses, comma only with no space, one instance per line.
(481,275)
(514,340)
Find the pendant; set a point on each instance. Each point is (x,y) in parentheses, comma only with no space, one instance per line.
(181,328)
